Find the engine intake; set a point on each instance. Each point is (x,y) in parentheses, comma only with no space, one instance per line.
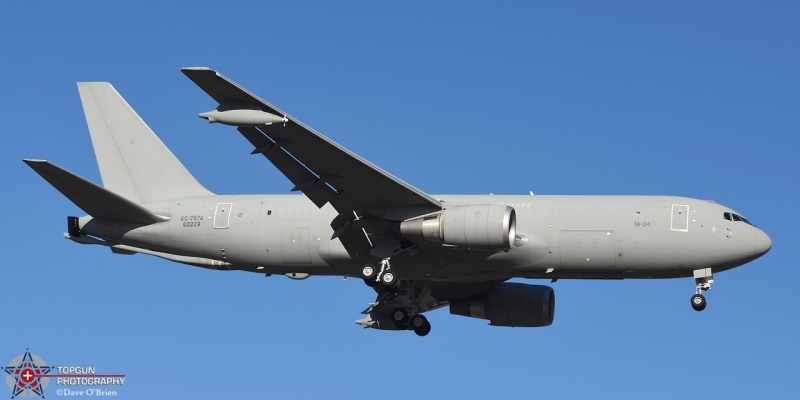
(511,304)
(483,225)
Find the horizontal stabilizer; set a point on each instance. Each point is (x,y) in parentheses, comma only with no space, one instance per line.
(94,200)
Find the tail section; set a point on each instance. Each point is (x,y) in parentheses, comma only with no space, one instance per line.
(133,161)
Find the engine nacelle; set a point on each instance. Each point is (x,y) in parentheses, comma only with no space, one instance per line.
(482,225)
(511,304)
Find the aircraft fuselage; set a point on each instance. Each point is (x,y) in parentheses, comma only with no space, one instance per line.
(601,237)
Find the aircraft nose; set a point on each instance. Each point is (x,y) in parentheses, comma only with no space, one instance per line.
(763,243)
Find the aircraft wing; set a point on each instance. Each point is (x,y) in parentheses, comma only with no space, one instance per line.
(322,169)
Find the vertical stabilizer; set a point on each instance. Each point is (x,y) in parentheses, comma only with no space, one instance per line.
(133,161)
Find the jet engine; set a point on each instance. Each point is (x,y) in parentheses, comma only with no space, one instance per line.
(511,304)
(483,225)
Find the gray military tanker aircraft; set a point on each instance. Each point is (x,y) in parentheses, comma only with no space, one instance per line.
(418,251)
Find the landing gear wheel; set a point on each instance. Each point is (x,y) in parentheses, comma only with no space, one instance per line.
(418,321)
(389,279)
(368,272)
(424,329)
(369,275)
(698,302)
(420,325)
(400,318)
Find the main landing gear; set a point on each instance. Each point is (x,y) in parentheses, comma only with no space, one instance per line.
(418,323)
(703,278)
(385,276)
(411,318)
(403,318)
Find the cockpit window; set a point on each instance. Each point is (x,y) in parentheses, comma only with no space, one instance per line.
(736,218)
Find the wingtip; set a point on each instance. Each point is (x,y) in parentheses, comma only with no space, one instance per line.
(196,69)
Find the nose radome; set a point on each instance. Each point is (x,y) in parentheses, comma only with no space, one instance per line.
(763,243)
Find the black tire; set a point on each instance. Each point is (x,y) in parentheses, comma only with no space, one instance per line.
(698,302)
(389,279)
(368,272)
(424,329)
(417,322)
(400,318)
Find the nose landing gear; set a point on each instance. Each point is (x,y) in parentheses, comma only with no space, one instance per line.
(698,302)
(703,279)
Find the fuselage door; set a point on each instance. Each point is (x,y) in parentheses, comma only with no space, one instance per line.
(222,216)
(680,218)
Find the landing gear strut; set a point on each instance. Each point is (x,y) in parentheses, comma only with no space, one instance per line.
(703,279)
(417,322)
(406,317)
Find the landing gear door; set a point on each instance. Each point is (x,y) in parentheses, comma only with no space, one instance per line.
(222,215)
(680,218)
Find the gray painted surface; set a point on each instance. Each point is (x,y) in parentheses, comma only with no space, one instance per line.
(587,249)
(296,247)
(120,138)
(680,217)
(350,209)
(222,215)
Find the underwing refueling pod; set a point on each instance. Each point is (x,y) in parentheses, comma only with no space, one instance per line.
(234,116)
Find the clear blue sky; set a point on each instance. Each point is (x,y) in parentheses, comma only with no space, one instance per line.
(698,99)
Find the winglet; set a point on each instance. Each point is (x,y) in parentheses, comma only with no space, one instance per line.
(94,200)
(223,90)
